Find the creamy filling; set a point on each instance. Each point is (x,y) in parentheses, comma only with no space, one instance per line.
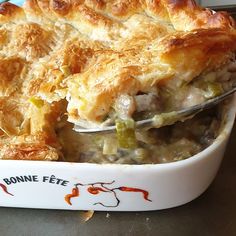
(163,145)
(173,96)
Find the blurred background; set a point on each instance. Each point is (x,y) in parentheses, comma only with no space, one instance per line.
(216,2)
(222,5)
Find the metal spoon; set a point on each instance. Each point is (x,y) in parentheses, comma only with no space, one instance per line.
(164,119)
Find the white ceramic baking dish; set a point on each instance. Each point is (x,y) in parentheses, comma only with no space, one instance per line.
(103,187)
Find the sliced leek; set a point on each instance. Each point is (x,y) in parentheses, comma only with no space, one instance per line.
(39,103)
(125,132)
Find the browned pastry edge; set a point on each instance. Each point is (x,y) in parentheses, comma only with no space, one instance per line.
(10,12)
(183,14)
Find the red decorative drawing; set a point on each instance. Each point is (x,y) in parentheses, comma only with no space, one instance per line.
(94,190)
(75,193)
(4,188)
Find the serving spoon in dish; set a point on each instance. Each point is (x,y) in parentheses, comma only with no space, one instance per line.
(164,119)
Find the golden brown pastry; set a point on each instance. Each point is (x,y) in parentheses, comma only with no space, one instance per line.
(95,54)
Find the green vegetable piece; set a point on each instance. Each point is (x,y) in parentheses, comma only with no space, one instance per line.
(165,119)
(39,103)
(125,132)
(110,146)
(213,90)
(65,70)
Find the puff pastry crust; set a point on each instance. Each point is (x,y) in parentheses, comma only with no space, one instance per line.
(90,52)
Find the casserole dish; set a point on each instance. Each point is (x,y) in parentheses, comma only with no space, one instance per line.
(113,187)
(89,63)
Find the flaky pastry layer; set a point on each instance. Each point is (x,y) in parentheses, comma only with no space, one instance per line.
(90,52)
